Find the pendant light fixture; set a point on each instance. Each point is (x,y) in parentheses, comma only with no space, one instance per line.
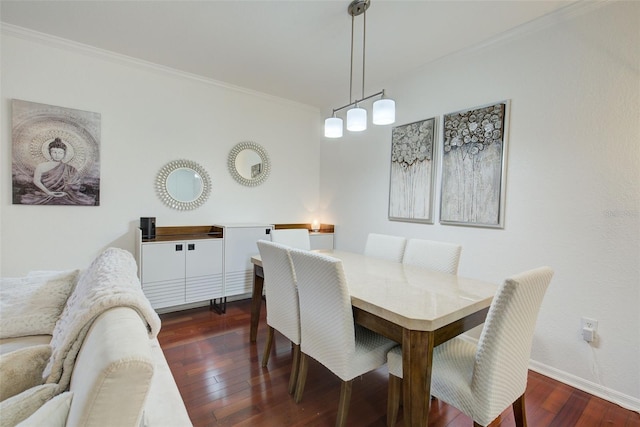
(384,109)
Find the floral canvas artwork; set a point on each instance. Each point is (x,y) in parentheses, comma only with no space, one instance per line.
(412,172)
(56,155)
(473,166)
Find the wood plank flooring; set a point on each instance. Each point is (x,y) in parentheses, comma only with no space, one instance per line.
(222,383)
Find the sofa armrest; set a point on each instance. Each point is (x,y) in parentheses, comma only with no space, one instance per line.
(112,373)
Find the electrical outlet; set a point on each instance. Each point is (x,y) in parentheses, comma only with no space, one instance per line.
(589,328)
(589,323)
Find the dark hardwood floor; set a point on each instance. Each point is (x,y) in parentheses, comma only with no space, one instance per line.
(222,383)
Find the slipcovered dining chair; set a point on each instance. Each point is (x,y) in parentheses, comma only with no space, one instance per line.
(329,334)
(439,256)
(283,310)
(485,379)
(293,237)
(385,246)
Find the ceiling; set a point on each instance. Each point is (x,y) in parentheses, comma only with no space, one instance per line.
(297,50)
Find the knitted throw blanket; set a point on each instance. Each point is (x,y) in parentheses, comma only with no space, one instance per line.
(110,281)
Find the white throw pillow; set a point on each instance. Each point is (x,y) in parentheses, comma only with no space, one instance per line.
(32,305)
(51,414)
(21,406)
(22,369)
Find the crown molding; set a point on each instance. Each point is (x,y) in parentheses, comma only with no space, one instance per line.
(568,12)
(84,49)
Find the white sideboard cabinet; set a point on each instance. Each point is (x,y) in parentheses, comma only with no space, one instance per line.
(321,240)
(181,265)
(190,264)
(239,246)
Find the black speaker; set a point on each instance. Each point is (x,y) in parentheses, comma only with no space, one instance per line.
(148,227)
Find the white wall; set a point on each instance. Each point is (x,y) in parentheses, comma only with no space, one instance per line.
(573,181)
(149,117)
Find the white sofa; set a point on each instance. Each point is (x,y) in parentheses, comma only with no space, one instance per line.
(113,374)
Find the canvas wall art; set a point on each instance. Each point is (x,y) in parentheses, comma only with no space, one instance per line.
(55,156)
(474,165)
(412,172)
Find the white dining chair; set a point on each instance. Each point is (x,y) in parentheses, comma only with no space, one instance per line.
(385,246)
(283,310)
(293,237)
(485,379)
(329,334)
(438,256)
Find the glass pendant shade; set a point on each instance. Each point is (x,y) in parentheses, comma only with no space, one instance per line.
(357,119)
(384,112)
(333,127)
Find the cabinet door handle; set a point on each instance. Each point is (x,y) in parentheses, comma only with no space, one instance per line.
(191,246)
(178,247)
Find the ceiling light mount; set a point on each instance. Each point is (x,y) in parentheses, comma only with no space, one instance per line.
(384,110)
(358,7)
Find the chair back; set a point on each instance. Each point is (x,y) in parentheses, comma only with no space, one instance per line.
(502,357)
(438,256)
(385,246)
(283,309)
(293,237)
(326,317)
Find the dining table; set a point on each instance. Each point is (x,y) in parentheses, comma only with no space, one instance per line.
(412,305)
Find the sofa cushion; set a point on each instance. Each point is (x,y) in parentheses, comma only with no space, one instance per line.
(22,369)
(51,414)
(164,405)
(21,406)
(31,305)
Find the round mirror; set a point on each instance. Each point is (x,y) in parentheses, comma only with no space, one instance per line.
(249,163)
(183,185)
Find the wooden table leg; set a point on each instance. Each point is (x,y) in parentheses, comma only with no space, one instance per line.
(417,357)
(256,301)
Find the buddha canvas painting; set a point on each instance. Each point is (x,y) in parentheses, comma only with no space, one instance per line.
(56,157)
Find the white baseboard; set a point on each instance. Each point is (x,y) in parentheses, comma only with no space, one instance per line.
(627,402)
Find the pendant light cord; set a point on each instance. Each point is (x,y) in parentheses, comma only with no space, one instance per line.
(351,69)
(364,39)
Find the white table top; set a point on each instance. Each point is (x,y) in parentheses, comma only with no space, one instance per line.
(412,297)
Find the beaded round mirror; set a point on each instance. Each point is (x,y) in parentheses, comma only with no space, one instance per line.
(249,163)
(183,184)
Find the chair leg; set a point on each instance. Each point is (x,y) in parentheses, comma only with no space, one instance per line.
(343,406)
(519,412)
(393,399)
(267,347)
(302,377)
(295,367)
